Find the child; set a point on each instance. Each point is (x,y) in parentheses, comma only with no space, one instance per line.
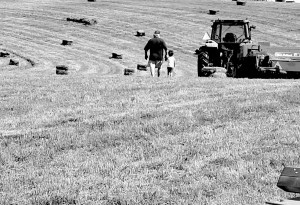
(171,63)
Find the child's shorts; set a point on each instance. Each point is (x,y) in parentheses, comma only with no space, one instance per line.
(170,69)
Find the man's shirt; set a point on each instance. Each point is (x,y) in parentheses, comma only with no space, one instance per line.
(156,47)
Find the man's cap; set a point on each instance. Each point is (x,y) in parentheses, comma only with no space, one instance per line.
(157,32)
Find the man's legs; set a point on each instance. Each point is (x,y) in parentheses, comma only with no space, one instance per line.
(158,65)
(152,68)
(158,71)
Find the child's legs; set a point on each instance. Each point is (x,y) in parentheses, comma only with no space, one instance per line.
(170,71)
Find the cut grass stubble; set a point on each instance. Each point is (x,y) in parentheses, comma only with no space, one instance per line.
(164,143)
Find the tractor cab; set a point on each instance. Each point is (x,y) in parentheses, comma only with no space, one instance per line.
(230,31)
(231,37)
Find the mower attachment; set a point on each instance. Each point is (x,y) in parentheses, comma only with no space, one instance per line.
(289,181)
(285,202)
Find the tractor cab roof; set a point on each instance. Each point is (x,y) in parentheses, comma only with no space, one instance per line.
(219,21)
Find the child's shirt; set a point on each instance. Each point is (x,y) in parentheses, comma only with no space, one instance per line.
(171,62)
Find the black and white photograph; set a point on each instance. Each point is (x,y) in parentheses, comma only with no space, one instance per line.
(149,102)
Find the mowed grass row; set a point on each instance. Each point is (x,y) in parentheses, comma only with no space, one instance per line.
(91,140)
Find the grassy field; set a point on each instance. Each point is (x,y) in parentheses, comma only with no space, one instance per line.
(99,137)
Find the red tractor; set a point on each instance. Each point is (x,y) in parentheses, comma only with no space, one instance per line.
(230,46)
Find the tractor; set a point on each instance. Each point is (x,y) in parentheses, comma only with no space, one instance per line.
(230,46)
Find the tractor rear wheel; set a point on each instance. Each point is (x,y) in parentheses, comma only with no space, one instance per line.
(203,61)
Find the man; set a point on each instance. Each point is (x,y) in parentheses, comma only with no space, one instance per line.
(156,45)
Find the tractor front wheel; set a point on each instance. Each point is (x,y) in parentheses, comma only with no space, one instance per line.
(203,61)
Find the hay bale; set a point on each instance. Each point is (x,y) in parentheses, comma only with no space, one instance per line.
(66,42)
(116,56)
(128,71)
(140,33)
(62,70)
(213,12)
(84,21)
(141,67)
(91,22)
(219,75)
(4,54)
(241,3)
(14,62)
(62,67)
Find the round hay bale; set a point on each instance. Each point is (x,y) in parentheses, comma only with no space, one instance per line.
(66,42)
(14,62)
(219,75)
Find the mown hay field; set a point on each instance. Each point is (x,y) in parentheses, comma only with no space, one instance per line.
(96,136)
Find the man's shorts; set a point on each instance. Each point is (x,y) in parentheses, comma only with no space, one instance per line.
(157,64)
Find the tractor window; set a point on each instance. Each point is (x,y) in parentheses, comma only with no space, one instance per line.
(233,33)
(216,35)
